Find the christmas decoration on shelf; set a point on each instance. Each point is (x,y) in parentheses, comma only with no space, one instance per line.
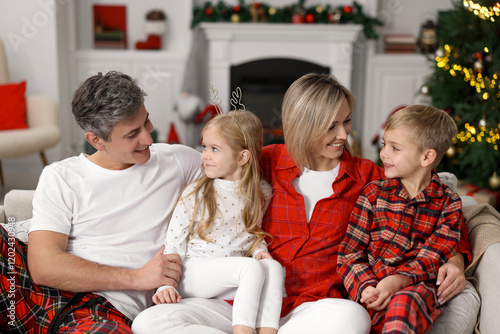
(155,27)
(296,13)
(466,82)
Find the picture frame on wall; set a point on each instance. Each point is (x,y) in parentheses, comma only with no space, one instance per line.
(110,26)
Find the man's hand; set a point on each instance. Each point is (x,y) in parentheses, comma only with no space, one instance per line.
(160,270)
(451,278)
(167,295)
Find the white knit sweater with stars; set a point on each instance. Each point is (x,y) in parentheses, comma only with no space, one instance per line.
(227,232)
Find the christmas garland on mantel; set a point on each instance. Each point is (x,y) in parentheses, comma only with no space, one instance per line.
(296,13)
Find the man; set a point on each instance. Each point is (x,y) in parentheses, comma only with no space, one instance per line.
(99,221)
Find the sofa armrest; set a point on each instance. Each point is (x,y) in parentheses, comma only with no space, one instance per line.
(18,204)
(2,214)
(487,274)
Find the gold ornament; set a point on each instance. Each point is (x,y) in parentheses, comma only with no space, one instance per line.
(494,181)
(425,90)
(450,153)
(235,18)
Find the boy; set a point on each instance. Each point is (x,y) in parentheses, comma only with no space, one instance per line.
(403,227)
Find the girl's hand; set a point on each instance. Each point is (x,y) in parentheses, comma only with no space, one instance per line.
(263,255)
(168,295)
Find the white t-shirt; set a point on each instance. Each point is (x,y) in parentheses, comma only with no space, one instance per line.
(227,233)
(314,186)
(115,217)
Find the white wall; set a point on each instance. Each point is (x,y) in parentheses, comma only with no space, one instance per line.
(29,31)
(406,16)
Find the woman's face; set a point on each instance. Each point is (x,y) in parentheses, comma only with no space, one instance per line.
(329,150)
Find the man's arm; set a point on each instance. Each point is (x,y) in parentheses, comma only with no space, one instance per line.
(51,265)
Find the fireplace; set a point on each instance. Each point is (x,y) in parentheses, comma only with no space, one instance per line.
(264,59)
(264,83)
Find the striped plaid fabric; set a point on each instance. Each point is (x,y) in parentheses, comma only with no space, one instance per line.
(411,310)
(308,251)
(390,234)
(29,308)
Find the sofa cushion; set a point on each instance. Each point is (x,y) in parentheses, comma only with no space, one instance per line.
(13,106)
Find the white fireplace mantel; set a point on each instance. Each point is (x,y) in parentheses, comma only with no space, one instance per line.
(229,44)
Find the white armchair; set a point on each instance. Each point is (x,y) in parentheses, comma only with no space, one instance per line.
(43,131)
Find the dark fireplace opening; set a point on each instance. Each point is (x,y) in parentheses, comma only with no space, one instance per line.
(263,84)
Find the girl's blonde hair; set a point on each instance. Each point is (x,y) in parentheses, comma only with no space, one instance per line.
(241,130)
(309,108)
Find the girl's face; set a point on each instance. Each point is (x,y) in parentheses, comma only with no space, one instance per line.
(329,150)
(219,159)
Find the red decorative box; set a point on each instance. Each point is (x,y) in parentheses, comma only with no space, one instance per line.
(481,195)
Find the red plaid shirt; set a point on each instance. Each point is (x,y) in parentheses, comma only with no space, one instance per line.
(308,251)
(389,233)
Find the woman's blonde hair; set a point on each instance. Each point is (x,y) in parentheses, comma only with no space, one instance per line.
(309,108)
(241,130)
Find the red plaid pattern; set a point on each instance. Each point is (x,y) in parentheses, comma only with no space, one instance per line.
(391,234)
(308,251)
(29,308)
(411,310)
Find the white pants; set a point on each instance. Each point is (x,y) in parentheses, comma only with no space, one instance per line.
(255,286)
(212,316)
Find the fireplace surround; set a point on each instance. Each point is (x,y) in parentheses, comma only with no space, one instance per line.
(283,52)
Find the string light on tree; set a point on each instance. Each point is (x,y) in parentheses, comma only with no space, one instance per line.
(465,81)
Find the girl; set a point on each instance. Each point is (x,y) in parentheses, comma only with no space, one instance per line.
(215,227)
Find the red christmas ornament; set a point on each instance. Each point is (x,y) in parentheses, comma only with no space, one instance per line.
(310,18)
(236,9)
(209,11)
(348,9)
(478,55)
(256,5)
(298,18)
(173,137)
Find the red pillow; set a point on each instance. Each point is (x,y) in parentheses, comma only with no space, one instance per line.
(13,106)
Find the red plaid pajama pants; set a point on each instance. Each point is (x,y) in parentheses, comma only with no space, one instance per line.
(411,310)
(29,308)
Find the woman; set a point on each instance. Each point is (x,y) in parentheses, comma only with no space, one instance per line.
(316,182)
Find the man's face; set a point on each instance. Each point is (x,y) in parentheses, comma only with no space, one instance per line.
(128,143)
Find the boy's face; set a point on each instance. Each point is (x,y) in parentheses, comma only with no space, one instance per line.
(401,157)
(128,143)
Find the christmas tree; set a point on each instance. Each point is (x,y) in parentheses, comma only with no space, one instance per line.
(466,83)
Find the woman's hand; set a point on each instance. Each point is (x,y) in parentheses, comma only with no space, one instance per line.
(451,278)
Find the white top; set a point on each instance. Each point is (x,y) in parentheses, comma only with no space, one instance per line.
(227,232)
(115,217)
(314,186)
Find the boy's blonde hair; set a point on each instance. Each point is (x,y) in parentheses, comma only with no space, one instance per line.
(241,130)
(428,127)
(309,108)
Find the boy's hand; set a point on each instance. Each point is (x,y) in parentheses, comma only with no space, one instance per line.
(263,255)
(369,295)
(168,295)
(387,287)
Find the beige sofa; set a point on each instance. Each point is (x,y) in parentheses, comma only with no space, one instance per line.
(17,208)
